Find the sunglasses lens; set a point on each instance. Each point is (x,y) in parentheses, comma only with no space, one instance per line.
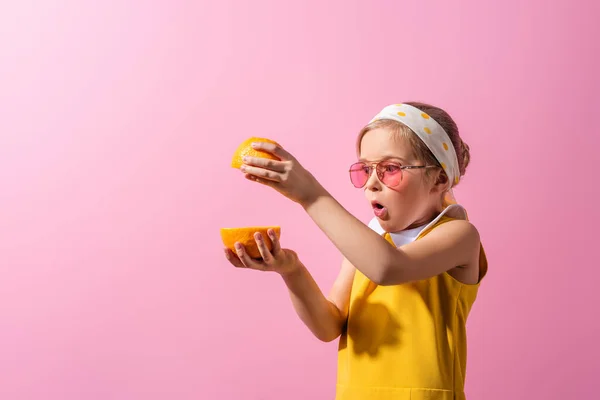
(359,175)
(391,173)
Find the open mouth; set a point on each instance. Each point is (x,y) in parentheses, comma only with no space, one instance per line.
(377,206)
(379,209)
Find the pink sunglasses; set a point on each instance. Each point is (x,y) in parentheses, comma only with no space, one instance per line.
(388,172)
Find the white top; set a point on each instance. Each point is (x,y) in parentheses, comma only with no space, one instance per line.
(410,235)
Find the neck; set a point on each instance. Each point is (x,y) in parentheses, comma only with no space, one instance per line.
(427,218)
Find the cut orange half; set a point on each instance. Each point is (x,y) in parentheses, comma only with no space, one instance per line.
(245,236)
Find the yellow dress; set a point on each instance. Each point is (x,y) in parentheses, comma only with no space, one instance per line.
(406,342)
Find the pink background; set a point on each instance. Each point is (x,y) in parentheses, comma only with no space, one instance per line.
(117,123)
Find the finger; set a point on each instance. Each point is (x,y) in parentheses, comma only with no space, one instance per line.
(273,149)
(262,173)
(245,258)
(261,181)
(265,182)
(233,259)
(262,248)
(275,241)
(266,163)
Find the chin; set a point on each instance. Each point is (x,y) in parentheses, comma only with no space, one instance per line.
(392,225)
(386,225)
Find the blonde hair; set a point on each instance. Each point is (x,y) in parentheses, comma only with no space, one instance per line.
(420,149)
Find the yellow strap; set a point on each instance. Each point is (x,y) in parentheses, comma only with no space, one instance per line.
(388,237)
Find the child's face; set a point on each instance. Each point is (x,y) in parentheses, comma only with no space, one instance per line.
(411,202)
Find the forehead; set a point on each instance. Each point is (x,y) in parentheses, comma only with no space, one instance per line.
(381,143)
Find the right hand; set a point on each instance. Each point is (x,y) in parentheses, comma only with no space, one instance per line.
(282,261)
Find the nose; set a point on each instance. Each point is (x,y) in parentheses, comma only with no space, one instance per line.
(373,183)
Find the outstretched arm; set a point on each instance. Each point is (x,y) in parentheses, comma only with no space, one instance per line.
(449,246)
(324,316)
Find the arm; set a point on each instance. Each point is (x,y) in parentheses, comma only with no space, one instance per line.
(452,245)
(448,246)
(325,317)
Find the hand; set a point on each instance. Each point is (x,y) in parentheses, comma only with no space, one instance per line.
(287,176)
(282,261)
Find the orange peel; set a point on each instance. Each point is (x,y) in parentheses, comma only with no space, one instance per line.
(246,149)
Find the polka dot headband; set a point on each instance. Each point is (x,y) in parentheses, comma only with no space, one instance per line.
(430,132)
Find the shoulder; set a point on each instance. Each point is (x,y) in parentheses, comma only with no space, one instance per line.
(454,229)
(456,239)
(462,238)
(463,228)
(447,245)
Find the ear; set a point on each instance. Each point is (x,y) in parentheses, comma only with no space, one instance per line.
(442,178)
(441,181)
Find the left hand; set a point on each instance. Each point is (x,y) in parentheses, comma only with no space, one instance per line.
(283,261)
(287,176)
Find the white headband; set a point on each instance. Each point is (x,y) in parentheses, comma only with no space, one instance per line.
(430,132)
(437,140)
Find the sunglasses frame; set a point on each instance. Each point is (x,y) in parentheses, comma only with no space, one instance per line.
(375,167)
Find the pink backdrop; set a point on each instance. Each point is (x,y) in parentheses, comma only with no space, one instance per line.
(117,123)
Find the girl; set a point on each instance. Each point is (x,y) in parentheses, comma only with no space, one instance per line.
(409,279)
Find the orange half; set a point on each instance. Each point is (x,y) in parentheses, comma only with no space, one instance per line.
(245,236)
(245,149)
